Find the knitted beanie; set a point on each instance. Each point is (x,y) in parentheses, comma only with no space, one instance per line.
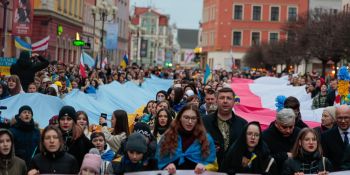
(24,108)
(330,110)
(136,142)
(91,162)
(143,128)
(68,111)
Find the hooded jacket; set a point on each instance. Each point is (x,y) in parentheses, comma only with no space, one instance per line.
(10,164)
(26,139)
(26,69)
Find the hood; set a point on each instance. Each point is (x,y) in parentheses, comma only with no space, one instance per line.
(24,60)
(108,155)
(12,153)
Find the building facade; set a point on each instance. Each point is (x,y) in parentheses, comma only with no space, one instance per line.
(150,37)
(230,27)
(61,20)
(188,41)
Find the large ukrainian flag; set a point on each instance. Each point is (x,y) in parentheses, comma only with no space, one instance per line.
(207,75)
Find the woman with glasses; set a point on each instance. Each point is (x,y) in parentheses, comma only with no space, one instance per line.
(307,157)
(249,154)
(186,145)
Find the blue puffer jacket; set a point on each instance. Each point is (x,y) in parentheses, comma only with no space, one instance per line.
(27,139)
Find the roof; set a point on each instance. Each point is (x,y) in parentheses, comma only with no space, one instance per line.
(163,19)
(187,38)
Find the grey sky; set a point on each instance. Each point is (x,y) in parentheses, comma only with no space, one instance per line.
(185,13)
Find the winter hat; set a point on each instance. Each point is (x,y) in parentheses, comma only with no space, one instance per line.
(68,111)
(136,142)
(92,162)
(23,108)
(143,129)
(53,120)
(331,111)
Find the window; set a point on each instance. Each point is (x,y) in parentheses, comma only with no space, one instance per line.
(238,12)
(273,37)
(255,38)
(237,38)
(291,36)
(275,13)
(292,14)
(256,13)
(76,8)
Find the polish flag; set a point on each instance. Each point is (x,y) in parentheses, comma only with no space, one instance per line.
(104,62)
(41,45)
(82,67)
(257,100)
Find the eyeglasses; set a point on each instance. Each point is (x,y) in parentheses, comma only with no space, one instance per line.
(251,134)
(343,118)
(188,118)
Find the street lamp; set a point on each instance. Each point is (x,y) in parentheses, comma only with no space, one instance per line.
(5,3)
(103,10)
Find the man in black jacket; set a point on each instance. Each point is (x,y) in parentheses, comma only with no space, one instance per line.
(335,140)
(281,135)
(27,66)
(346,159)
(224,125)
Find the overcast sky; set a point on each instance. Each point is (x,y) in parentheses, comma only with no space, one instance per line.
(185,13)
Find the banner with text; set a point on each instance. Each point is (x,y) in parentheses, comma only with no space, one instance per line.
(5,65)
(22,17)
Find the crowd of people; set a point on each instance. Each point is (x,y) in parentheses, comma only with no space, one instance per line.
(190,126)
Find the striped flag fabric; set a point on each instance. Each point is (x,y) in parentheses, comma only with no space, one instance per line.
(41,45)
(207,74)
(19,43)
(82,66)
(125,61)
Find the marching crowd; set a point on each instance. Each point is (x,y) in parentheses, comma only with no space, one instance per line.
(190,126)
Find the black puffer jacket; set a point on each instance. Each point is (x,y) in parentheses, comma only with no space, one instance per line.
(26,69)
(308,164)
(55,163)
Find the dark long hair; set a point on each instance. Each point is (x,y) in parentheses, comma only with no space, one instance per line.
(169,144)
(156,121)
(122,124)
(5,90)
(235,153)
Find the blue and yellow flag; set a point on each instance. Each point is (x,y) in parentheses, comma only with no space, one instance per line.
(207,75)
(125,61)
(19,43)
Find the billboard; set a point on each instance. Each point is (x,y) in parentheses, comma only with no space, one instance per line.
(111,36)
(22,17)
(144,47)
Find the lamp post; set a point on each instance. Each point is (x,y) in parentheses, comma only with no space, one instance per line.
(103,10)
(5,3)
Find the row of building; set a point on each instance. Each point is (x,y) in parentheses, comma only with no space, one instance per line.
(227,29)
(230,27)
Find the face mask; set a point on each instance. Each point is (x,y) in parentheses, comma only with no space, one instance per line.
(160,98)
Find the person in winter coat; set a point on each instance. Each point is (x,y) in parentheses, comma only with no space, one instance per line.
(293,103)
(26,135)
(107,155)
(328,120)
(307,156)
(281,135)
(120,129)
(9,163)
(186,145)
(27,66)
(163,120)
(135,158)
(75,141)
(91,164)
(83,122)
(249,154)
(52,159)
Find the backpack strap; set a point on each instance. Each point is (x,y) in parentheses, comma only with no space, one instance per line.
(324,163)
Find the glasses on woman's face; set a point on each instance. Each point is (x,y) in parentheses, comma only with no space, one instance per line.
(252,134)
(189,118)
